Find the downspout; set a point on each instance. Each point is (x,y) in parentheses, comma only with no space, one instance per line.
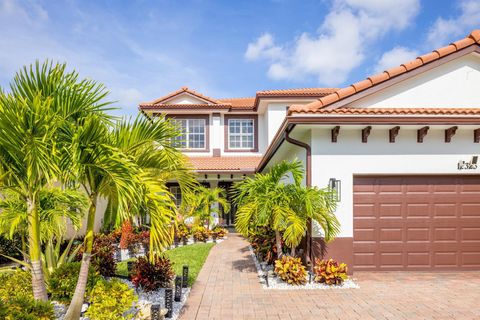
(308,178)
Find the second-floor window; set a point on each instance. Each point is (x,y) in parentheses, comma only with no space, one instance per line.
(241,134)
(193,133)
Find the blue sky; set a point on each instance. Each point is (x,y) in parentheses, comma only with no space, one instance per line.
(144,49)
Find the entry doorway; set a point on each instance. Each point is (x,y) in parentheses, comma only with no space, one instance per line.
(228,217)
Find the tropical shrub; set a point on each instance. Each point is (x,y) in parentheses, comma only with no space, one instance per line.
(26,309)
(128,236)
(201,233)
(144,239)
(330,272)
(103,255)
(62,281)
(291,270)
(151,276)
(10,248)
(182,231)
(15,285)
(110,300)
(116,235)
(263,243)
(219,232)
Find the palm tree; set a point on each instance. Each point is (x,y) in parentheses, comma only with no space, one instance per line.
(56,208)
(42,98)
(311,204)
(128,164)
(269,200)
(201,204)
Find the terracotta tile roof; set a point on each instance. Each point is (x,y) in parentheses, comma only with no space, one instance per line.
(401,111)
(314,107)
(297,92)
(240,103)
(222,164)
(233,104)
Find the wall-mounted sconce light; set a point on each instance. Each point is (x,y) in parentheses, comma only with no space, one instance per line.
(206,177)
(336,186)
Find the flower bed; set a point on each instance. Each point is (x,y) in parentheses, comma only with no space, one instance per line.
(275,283)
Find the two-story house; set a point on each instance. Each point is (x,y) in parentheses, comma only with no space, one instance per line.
(400,147)
(225,139)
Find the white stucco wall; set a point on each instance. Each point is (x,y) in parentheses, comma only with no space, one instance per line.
(349,157)
(275,112)
(216,132)
(452,85)
(185,98)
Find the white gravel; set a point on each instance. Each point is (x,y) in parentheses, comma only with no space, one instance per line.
(144,298)
(275,283)
(158,297)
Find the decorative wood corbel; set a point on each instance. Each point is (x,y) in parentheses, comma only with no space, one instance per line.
(335,132)
(449,133)
(421,133)
(366,133)
(393,133)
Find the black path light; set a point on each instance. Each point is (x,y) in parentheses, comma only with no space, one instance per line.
(185,276)
(169,302)
(178,288)
(129,267)
(155,312)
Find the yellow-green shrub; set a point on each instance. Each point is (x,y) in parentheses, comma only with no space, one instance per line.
(17,284)
(330,272)
(110,300)
(26,309)
(291,270)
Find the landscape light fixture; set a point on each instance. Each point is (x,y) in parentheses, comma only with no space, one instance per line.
(336,186)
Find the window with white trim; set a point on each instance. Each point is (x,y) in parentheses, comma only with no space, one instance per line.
(240,134)
(193,133)
(177,195)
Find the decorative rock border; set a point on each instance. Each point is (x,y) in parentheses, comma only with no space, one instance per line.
(270,281)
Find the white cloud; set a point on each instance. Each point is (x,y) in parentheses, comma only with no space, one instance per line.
(395,57)
(443,30)
(263,48)
(340,42)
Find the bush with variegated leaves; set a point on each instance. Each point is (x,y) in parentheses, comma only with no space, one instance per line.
(330,272)
(291,270)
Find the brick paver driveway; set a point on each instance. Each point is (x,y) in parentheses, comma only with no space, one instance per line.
(227,288)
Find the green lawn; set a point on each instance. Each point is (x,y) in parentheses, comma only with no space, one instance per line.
(193,255)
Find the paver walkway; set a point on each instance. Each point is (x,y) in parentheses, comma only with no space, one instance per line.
(227,288)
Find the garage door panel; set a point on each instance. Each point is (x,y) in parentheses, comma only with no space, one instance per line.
(364,210)
(417,210)
(416,223)
(469,209)
(470,259)
(470,234)
(417,233)
(418,259)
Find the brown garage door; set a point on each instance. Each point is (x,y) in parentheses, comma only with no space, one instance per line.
(427,222)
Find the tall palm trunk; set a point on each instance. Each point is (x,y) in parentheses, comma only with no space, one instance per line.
(38,279)
(75,308)
(278,241)
(293,251)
